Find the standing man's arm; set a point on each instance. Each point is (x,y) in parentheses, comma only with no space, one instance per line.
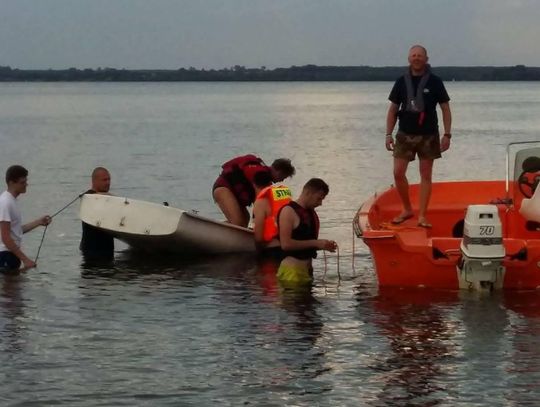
(391,119)
(447,124)
(43,221)
(5,231)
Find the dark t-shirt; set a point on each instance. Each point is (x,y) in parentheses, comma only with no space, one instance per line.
(434,92)
(94,241)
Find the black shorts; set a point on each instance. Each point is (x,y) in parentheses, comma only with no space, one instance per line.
(9,262)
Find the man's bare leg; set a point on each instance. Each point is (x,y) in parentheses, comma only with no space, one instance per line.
(402,186)
(227,202)
(426,171)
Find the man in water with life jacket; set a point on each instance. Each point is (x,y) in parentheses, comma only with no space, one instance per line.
(97,244)
(233,191)
(414,99)
(269,201)
(299,234)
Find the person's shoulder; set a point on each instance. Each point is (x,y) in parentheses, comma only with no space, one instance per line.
(259,202)
(288,209)
(399,80)
(7,202)
(397,90)
(436,83)
(6,198)
(435,78)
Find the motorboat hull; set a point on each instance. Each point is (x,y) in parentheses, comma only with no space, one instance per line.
(408,255)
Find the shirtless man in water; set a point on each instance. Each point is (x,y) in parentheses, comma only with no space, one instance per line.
(299,234)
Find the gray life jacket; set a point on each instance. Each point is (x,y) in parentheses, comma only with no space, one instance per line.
(416,103)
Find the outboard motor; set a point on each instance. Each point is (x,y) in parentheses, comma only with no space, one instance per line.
(482,249)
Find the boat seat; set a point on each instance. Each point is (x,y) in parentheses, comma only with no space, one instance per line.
(532,226)
(530,208)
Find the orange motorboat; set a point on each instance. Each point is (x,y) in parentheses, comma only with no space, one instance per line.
(485,234)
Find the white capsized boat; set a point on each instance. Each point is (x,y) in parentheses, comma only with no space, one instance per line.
(163,229)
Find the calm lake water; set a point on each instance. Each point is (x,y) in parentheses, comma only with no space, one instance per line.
(220,331)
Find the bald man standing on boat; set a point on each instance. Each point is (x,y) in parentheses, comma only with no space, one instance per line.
(414,99)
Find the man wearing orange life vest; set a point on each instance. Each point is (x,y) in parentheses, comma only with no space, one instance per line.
(269,201)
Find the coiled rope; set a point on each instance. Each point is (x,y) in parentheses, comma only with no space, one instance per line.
(326,263)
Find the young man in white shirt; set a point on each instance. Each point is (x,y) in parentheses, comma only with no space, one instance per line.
(11,226)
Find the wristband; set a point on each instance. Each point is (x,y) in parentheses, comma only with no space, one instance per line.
(447,135)
(389,135)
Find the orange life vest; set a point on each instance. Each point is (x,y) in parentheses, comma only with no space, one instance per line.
(277,196)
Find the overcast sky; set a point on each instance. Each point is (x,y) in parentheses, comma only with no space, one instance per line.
(171,34)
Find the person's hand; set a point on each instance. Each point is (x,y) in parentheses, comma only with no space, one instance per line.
(45,220)
(328,245)
(445,143)
(28,264)
(389,142)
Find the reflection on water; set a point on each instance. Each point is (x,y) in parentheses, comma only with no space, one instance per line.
(260,337)
(418,335)
(12,313)
(523,369)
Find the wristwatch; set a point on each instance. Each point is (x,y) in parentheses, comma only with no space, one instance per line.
(447,135)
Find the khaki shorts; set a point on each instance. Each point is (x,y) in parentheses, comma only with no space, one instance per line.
(407,146)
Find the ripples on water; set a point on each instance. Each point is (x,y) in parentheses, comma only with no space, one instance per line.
(145,331)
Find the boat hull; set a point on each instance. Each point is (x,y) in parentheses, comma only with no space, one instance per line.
(407,255)
(158,228)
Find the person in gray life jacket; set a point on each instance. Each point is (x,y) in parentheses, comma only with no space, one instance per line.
(413,100)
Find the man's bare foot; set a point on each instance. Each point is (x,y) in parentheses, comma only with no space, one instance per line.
(402,218)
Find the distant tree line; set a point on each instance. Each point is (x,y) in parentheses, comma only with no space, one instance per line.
(294,73)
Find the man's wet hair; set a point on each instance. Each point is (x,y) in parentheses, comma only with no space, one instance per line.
(262,179)
(284,166)
(316,185)
(15,173)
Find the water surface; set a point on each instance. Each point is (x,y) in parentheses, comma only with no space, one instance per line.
(220,331)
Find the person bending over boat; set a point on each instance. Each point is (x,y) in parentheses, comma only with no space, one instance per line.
(414,99)
(11,227)
(95,243)
(299,234)
(269,201)
(233,190)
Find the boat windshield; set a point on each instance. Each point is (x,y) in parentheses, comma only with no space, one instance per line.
(526,171)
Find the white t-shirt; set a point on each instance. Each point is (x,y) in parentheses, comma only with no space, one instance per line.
(9,212)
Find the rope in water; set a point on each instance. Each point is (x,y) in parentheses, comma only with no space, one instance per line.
(356,232)
(326,263)
(52,216)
